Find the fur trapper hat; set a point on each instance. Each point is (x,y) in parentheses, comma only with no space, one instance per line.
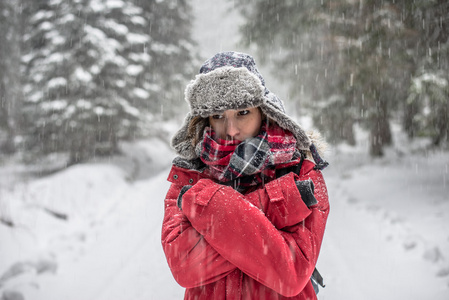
(230,80)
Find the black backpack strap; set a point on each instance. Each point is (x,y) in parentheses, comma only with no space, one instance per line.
(318,278)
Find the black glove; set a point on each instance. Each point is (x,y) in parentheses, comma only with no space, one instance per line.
(307,190)
(183,191)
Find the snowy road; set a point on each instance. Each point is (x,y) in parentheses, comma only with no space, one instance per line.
(376,246)
(360,262)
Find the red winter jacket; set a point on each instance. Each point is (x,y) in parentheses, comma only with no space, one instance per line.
(260,245)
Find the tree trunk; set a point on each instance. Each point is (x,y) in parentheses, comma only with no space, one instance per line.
(380,131)
(348,130)
(10,80)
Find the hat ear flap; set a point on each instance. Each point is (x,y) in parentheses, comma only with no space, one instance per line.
(180,141)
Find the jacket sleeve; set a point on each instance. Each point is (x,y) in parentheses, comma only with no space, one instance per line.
(271,226)
(192,261)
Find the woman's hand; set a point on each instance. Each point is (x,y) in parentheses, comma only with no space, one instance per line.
(307,189)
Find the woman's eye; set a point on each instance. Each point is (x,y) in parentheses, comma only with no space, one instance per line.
(217,117)
(243,112)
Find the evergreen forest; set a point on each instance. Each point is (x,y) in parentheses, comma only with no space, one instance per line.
(79,76)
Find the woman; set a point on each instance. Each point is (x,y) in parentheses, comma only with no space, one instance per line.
(246,211)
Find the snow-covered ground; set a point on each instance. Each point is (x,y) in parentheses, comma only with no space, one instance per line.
(92,231)
(387,235)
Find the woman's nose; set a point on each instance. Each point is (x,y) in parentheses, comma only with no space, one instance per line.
(231,130)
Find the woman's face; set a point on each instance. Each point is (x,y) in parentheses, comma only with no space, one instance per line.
(237,124)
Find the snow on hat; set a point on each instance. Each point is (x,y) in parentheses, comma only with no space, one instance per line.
(230,80)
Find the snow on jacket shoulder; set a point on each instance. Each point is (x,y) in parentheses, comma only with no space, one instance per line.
(260,245)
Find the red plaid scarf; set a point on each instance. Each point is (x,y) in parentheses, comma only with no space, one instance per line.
(247,160)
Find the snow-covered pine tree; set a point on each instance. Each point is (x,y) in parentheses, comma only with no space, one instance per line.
(173,58)
(350,58)
(426,111)
(90,83)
